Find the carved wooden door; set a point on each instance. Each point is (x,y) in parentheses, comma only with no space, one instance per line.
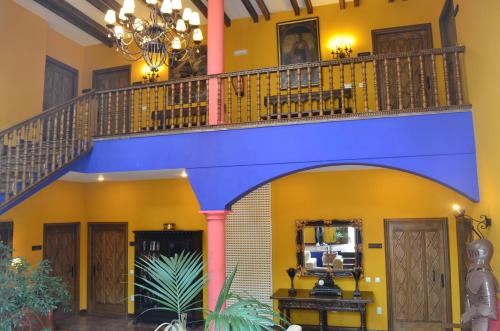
(415,76)
(108,268)
(418,274)
(6,233)
(61,83)
(61,249)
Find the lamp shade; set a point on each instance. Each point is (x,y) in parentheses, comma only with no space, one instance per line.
(151,2)
(186,15)
(110,17)
(194,20)
(166,7)
(176,43)
(118,32)
(181,25)
(176,4)
(128,6)
(197,35)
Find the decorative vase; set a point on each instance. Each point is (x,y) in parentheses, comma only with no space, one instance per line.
(176,325)
(291,273)
(356,273)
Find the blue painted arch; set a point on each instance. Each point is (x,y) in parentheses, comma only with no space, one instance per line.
(223,165)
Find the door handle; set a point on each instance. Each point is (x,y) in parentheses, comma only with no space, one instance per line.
(434,275)
(442,280)
(428,81)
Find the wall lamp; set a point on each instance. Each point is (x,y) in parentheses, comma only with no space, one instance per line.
(483,223)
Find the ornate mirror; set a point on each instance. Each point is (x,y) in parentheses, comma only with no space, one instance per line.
(328,245)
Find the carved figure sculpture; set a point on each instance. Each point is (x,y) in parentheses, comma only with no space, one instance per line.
(481,286)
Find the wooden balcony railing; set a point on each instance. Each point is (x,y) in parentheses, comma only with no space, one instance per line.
(427,80)
(35,149)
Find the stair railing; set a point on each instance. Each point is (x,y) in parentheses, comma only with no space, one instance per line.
(34,149)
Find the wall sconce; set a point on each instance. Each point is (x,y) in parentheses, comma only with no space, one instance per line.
(483,223)
(341,48)
(150,75)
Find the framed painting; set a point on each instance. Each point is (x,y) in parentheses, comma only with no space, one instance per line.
(195,65)
(298,42)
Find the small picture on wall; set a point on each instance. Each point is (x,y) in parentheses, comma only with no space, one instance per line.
(298,42)
(195,66)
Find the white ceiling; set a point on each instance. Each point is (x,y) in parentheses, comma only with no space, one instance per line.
(234,9)
(170,174)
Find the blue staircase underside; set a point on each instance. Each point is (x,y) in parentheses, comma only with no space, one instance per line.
(225,164)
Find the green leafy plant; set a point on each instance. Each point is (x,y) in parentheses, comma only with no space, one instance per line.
(175,282)
(27,292)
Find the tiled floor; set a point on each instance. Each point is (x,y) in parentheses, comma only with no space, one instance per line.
(97,323)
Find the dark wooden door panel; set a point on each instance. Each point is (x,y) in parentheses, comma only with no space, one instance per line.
(411,87)
(448,29)
(6,233)
(108,267)
(61,83)
(62,249)
(418,274)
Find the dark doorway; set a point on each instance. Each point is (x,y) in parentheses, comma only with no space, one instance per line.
(61,247)
(113,115)
(418,274)
(6,233)
(448,29)
(107,268)
(61,83)
(464,236)
(399,40)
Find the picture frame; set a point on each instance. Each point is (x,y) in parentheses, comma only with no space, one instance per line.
(196,65)
(298,42)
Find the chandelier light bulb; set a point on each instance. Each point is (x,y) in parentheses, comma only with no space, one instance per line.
(166,7)
(176,4)
(138,25)
(119,32)
(197,35)
(110,17)
(186,15)
(151,2)
(194,20)
(128,7)
(176,43)
(122,16)
(181,25)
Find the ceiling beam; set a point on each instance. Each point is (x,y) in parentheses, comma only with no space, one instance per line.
(309,6)
(204,11)
(263,9)
(251,10)
(342,4)
(104,5)
(69,13)
(296,8)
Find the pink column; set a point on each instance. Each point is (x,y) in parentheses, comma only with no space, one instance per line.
(216,254)
(215,54)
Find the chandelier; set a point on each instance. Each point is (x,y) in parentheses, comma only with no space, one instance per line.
(171,33)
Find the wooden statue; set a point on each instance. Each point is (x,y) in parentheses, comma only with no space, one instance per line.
(481,286)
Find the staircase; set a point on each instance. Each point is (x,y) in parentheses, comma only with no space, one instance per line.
(39,150)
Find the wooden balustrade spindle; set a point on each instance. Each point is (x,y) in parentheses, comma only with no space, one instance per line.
(101,116)
(126,112)
(67,133)
(278,95)
(148,107)
(353,88)
(330,88)
(458,76)
(108,114)
(238,96)
(410,78)
(320,79)
(309,90)
(117,112)
(190,115)
(422,81)
(15,187)
(268,90)
(54,144)
(47,145)
(139,112)
(26,130)
(219,99)
(388,105)
(60,148)
(434,81)
(208,102)
(259,110)
(132,111)
(198,103)
(79,127)
(8,169)
(365,86)
(41,127)
(172,106)
(400,89)
(299,92)
(446,80)
(155,112)
(86,121)
(33,155)
(181,105)
(288,93)
(375,83)
(342,88)
(73,129)
(249,100)
(230,99)
(164,110)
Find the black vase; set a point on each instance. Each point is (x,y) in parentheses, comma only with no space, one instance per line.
(356,273)
(291,273)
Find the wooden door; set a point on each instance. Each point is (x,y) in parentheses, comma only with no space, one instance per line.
(108,268)
(418,280)
(448,29)
(61,83)
(112,109)
(399,40)
(6,233)
(61,247)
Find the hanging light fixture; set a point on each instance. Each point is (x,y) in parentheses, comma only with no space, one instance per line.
(169,34)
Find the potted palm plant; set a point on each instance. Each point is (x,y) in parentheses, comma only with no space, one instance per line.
(175,282)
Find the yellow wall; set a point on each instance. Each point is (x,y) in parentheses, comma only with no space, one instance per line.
(372,195)
(478,28)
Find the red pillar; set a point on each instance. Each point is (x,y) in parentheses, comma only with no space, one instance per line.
(216,254)
(215,55)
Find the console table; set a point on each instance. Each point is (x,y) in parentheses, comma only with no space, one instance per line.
(304,301)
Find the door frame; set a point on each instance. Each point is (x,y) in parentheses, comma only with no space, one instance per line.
(64,66)
(90,286)
(111,70)
(401,29)
(76,227)
(9,224)
(447,270)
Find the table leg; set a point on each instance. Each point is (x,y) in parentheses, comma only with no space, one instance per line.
(288,315)
(282,316)
(363,320)
(323,320)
